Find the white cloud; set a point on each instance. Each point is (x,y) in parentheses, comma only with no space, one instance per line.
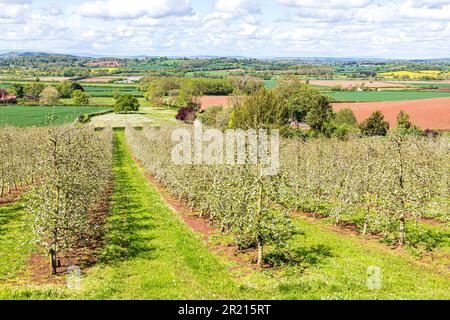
(386,28)
(15,1)
(131,9)
(429,3)
(54,9)
(338,4)
(13,11)
(237,6)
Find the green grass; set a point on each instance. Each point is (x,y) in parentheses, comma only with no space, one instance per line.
(14,245)
(160,115)
(372,96)
(110,90)
(22,116)
(343,274)
(151,254)
(270,84)
(429,84)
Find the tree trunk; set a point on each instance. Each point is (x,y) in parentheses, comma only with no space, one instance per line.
(401,240)
(366,221)
(53,260)
(260,252)
(366,225)
(338,218)
(259,241)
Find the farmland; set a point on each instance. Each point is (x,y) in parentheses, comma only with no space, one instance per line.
(41,116)
(354,190)
(355,83)
(414,75)
(151,254)
(430,113)
(377,96)
(109,91)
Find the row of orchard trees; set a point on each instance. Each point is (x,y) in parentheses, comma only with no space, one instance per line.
(235,198)
(70,169)
(385,181)
(18,158)
(75,172)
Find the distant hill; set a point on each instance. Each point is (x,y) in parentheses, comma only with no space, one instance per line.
(16,54)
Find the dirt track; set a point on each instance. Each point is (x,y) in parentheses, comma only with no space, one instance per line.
(426,113)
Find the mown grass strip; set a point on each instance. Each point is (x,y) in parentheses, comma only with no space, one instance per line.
(150,253)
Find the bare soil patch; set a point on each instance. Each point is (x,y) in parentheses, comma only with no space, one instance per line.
(41,271)
(431,221)
(209,101)
(12,196)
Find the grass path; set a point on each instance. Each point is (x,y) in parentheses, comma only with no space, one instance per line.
(151,254)
(14,247)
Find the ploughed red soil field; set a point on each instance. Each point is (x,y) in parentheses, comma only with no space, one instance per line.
(209,101)
(426,114)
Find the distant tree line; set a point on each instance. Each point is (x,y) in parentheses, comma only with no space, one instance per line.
(38,93)
(184,92)
(293,107)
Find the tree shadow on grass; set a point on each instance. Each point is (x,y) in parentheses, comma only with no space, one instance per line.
(305,256)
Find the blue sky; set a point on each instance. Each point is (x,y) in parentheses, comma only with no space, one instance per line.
(257,28)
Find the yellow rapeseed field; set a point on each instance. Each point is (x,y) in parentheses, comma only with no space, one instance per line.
(431,74)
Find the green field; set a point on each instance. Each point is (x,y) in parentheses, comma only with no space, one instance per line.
(109,91)
(106,101)
(21,116)
(429,84)
(151,254)
(373,96)
(270,84)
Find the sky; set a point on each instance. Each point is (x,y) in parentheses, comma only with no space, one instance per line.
(407,29)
